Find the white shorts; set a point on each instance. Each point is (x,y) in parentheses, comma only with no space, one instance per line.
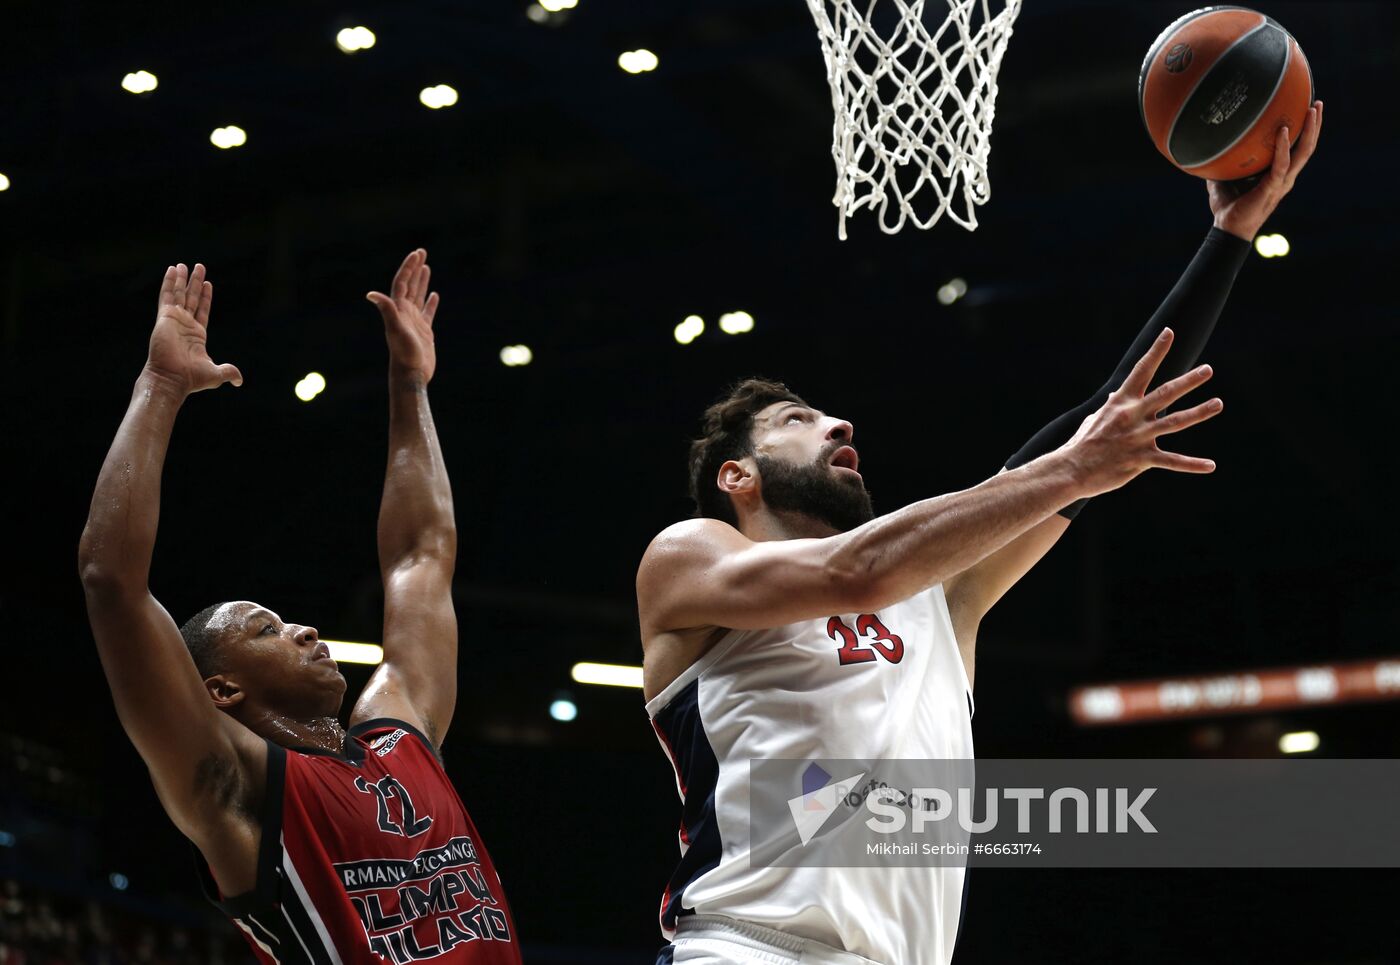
(716,940)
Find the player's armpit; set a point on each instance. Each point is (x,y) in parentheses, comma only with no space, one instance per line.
(417,682)
(704,572)
(206,767)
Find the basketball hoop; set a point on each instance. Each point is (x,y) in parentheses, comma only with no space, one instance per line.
(913,108)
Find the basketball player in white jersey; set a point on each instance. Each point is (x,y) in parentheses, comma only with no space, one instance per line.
(787,621)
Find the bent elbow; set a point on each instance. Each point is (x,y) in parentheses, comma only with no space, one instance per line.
(856,584)
(437,546)
(93,569)
(95,577)
(101,580)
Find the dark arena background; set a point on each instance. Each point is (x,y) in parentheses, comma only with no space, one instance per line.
(584,211)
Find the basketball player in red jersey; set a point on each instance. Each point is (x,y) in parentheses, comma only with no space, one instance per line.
(325,845)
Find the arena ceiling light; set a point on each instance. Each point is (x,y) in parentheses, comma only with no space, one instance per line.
(139,82)
(550,11)
(563,710)
(689,329)
(311,386)
(607,674)
(1272,246)
(227,137)
(639,61)
(354,39)
(436,98)
(513,356)
(951,292)
(344,651)
(735,323)
(4,183)
(1299,742)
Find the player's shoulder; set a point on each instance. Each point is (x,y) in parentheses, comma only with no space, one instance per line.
(381,736)
(697,528)
(688,542)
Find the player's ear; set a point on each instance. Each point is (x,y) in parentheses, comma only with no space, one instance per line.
(224,692)
(737,476)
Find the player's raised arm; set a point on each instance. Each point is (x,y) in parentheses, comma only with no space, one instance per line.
(706,573)
(201,763)
(1191,309)
(417,531)
(1194,304)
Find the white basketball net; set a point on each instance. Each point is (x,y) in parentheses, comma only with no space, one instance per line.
(913,109)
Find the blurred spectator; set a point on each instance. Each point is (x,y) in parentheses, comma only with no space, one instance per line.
(44,929)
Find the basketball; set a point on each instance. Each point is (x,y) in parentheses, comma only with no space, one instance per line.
(1217,85)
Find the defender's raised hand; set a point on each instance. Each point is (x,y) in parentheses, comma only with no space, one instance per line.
(1119,441)
(408,317)
(178,352)
(1244,213)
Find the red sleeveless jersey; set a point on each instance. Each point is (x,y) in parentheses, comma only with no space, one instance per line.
(370,857)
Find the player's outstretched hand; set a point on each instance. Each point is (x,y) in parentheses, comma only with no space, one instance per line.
(408,317)
(1119,441)
(1243,214)
(178,352)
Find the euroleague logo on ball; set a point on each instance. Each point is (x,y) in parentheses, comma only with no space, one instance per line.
(1178,58)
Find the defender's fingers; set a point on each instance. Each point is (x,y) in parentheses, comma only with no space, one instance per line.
(1162,397)
(195,288)
(404,275)
(420,287)
(228,372)
(430,308)
(1176,462)
(415,277)
(385,304)
(177,292)
(206,296)
(167,287)
(1187,418)
(1141,376)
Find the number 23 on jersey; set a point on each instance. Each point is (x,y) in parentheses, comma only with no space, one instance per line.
(869,638)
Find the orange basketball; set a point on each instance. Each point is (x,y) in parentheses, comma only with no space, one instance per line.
(1217,85)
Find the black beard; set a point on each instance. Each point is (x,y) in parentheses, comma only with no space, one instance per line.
(814,490)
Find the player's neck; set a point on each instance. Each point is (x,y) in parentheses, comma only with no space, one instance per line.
(317,733)
(767,524)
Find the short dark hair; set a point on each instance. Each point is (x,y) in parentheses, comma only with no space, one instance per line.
(203,641)
(727,433)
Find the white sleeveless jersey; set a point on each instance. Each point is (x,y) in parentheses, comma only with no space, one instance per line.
(863,686)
